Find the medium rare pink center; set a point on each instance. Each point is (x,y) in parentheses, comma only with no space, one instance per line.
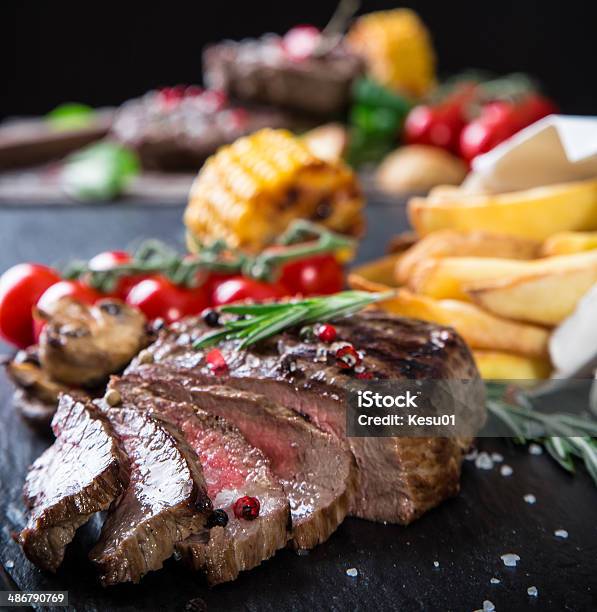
(221,469)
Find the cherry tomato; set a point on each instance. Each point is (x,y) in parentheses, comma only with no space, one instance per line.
(437,127)
(111,259)
(440,125)
(497,122)
(158,297)
(534,107)
(300,42)
(238,288)
(108,259)
(317,275)
(212,282)
(66,288)
(20,288)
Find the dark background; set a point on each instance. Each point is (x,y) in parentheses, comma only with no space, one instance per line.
(104,53)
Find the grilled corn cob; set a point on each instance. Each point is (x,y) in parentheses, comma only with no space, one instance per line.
(248,192)
(397,49)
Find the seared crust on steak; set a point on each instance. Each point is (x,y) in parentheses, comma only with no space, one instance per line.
(399,478)
(80,474)
(164,503)
(232,469)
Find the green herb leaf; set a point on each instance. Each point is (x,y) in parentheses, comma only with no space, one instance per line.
(70,116)
(266,320)
(99,172)
(556,431)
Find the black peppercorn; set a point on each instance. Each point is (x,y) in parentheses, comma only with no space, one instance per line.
(211,318)
(218,518)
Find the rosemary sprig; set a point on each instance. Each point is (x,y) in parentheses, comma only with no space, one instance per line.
(564,436)
(265,320)
(302,239)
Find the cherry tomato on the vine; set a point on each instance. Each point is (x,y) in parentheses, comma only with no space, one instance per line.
(108,259)
(316,275)
(112,259)
(158,297)
(20,288)
(239,288)
(496,123)
(67,288)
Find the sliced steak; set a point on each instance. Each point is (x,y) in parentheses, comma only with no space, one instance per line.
(165,502)
(80,474)
(232,469)
(317,472)
(399,478)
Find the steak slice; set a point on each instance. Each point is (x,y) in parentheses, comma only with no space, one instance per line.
(232,469)
(164,503)
(317,472)
(399,478)
(80,474)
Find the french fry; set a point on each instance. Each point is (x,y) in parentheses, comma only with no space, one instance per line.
(546,298)
(564,243)
(445,243)
(479,329)
(533,213)
(448,277)
(379,271)
(496,365)
(453,277)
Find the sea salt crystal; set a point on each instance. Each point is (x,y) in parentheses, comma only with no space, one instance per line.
(436,564)
(483,462)
(529,498)
(510,559)
(321,354)
(488,606)
(506,470)
(497,457)
(472,455)
(495,581)
(9,564)
(535,449)
(352,572)
(532,591)
(561,533)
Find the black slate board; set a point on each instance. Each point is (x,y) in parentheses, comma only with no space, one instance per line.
(466,535)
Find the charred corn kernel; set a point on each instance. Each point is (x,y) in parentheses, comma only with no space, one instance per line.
(397,49)
(250,191)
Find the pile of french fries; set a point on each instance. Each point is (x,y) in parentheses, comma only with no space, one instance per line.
(503,270)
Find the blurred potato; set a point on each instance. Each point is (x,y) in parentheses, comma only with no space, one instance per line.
(419,168)
(534,213)
(546,298)
(565,243)
(497,365)
(328,142)
(444,243)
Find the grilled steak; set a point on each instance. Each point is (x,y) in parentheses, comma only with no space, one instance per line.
(181,134)
(318,474)
(399,478)
(80,474)
(164,503)
(260,71)
(232,469)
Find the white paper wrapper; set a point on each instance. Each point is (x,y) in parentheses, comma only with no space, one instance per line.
(556,149)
